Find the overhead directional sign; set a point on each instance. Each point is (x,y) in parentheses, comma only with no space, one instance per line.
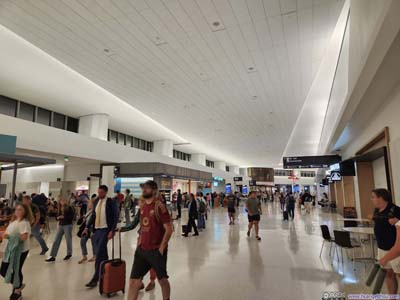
(336,176)
(310,162)
(252,182)
(237,178)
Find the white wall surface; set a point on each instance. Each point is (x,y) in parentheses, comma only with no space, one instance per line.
(95,125)
(164,147)
(388,115)
(366,16)
(379,173)
(34,174)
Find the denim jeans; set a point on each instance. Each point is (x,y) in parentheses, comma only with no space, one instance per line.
(84,240)
(100,241)
(127,215)
(38,237)
(62,229)
(201,222)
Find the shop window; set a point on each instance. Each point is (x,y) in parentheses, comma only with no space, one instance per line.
(26,111)
(113,135)
(58,121)
(150,147)
(43,116)
(121,138)
(8,106)
(72,124)
(142,145)
(129,141)
(209,163)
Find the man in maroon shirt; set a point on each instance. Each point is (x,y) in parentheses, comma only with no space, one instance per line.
(151,252)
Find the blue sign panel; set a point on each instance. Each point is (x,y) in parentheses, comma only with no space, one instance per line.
(8,144)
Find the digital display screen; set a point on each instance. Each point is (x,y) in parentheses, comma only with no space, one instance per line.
(228,188)
(244,190)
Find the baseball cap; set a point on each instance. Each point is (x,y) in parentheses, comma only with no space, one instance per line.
(150,183)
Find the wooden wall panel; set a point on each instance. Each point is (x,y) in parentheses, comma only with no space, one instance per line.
(365,174)
(332,192)
(339,196)
(349,192)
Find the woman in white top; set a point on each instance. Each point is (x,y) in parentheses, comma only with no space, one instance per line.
(393,255)
(20,226)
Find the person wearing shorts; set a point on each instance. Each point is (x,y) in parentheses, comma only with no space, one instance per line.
(386,215)
(254,211)
(231,208)
(151,253)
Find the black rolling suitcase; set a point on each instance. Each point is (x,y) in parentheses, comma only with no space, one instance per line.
(285,215)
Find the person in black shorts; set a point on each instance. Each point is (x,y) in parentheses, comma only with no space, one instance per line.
(231,208)
(151,253)
(253,208)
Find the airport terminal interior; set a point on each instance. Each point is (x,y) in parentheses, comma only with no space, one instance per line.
(199,149)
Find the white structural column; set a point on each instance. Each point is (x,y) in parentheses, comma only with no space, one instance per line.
(95,126)
(198,158)
(234,169)
(44,188)
(243,171)
(220,165)
(107,178)
(164,147)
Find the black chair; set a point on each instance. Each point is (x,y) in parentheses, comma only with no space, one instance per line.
(343,240)
(326,235)
(350,224)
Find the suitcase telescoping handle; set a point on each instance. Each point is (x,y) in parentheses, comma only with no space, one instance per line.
(120,246)
(379,273)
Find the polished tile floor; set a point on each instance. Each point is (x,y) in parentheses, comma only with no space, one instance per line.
(220,264)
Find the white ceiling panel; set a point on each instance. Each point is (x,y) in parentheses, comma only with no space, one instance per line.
(229,76)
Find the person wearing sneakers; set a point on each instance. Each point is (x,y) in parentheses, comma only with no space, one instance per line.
(27,200)
(65,218)
(193,215)
(253,208)
(17,249)
(84,221)
(135,222)
(231,208)
(152,251)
